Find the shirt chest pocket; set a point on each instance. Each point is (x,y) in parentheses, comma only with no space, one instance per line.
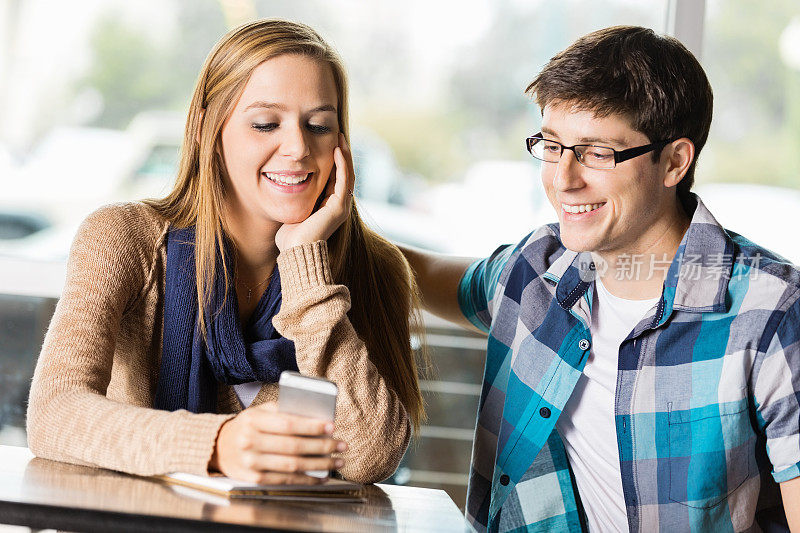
(711,452)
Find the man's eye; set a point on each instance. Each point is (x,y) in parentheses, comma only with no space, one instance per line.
(550,147)
(265,127)
(318,128)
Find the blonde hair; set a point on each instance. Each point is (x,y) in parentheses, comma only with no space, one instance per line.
(384,297)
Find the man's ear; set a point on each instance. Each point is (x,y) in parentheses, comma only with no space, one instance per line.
(200,126)
(679,154)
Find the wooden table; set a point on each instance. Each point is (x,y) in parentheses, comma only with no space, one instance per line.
(45,494)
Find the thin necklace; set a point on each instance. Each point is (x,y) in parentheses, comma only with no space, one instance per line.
(250,289)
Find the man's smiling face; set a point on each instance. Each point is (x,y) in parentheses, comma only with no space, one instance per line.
(604,211)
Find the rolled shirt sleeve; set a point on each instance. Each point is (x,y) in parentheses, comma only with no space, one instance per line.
(477,287)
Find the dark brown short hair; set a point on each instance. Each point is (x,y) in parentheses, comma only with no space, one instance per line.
(650,79)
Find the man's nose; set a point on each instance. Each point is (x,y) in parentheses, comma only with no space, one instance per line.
(568,172)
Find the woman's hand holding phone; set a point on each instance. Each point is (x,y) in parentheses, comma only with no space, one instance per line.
(262,445)
(334,208)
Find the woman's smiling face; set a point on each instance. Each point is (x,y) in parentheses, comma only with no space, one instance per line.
(278,142)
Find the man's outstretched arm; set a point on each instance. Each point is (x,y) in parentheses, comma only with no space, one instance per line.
(438,276)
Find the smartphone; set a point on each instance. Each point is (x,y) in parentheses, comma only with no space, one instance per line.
(307,396)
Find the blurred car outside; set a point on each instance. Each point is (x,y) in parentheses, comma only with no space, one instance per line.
(385,196)
(74,170)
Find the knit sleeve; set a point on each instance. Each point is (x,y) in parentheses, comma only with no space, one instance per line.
(369,414)
(70,418)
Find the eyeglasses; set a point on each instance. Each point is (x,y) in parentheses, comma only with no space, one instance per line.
(588,155)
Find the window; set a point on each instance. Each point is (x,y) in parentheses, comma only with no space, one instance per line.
(438,118)
(436,97)
(749,172)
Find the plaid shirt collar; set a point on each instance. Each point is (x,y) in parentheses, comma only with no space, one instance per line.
(697,278)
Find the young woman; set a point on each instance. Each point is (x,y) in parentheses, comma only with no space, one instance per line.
(178,315)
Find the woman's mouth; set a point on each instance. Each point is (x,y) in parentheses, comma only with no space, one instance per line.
(289,178)
(289,181)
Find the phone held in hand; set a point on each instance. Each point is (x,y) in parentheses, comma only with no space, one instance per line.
(307,396)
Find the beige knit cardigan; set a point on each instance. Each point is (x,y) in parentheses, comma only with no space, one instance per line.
(91,401)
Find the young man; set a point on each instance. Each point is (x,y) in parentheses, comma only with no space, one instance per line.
(643,363)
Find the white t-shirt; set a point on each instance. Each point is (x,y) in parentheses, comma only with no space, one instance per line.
(587,423)
(247,392)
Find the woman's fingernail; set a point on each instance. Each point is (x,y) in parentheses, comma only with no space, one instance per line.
(342,446)
(338,463)
(329,428)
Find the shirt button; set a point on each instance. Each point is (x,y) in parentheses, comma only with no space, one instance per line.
(545,412)
(504,479)
(584,344)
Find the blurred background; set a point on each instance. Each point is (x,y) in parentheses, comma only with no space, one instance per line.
(93,95)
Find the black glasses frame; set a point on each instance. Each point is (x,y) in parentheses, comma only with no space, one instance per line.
(619,155)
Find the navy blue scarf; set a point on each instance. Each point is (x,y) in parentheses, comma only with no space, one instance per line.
(233,353)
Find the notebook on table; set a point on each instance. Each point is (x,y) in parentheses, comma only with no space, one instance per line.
(332,489)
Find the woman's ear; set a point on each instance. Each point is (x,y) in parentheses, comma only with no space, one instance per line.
(680,154)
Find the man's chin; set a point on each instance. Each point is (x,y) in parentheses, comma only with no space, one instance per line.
(578,244)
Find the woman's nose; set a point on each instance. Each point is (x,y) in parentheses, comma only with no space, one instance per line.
(294,143)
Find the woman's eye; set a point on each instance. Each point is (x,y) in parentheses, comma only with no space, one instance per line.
(265,127)
(318,128)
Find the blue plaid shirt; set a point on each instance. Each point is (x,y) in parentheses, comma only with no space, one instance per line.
(708,386)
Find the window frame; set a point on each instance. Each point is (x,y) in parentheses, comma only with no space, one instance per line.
(685,21)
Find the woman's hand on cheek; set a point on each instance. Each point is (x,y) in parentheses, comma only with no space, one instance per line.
(334,208)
